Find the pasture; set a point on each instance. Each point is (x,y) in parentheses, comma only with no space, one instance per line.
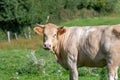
(15,60)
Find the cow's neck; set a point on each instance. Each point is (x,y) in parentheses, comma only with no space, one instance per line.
(59,48)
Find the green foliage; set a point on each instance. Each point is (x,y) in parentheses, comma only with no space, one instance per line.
(16,14)
(98,5)
(117,7)
(34,65)
(3,36)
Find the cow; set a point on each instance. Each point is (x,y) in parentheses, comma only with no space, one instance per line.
(77,46)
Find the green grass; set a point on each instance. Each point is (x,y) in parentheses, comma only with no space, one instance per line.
(105,20)
(13,62)
(15,65)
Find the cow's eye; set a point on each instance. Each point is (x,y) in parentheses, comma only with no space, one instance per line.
(55,35)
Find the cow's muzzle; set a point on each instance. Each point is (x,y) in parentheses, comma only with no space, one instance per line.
(46,46)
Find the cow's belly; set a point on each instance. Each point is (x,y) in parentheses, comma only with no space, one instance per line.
(98,61)
(91,63)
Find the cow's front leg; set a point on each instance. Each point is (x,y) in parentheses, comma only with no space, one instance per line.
(74,74)
(112,71)
(72,63)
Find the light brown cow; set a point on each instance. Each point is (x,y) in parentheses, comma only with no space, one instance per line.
(77,46)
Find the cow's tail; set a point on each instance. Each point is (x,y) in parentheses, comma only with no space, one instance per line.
(116,31)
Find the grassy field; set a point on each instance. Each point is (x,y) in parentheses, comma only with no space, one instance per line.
(15,65)
(17,62)
(106,20)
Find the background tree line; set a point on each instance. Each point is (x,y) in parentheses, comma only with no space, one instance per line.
(17,15)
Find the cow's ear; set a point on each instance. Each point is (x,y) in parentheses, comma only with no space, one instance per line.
(39,29)
(61,30)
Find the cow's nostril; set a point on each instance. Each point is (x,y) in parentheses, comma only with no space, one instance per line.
(49,45)
(46,46)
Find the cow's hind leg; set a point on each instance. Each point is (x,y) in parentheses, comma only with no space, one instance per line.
(112,70)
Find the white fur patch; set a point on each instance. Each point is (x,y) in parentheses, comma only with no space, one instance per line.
(89,30)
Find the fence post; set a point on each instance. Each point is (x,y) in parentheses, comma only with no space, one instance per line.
(16,36)
(47,19)
(8,35)
(25,35)
(29,32)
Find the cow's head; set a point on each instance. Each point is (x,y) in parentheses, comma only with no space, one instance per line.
(50,33)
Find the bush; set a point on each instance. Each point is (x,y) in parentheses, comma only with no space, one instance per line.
(34,66)
(3,35)
(117,7)
(98,5)
(88,13)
